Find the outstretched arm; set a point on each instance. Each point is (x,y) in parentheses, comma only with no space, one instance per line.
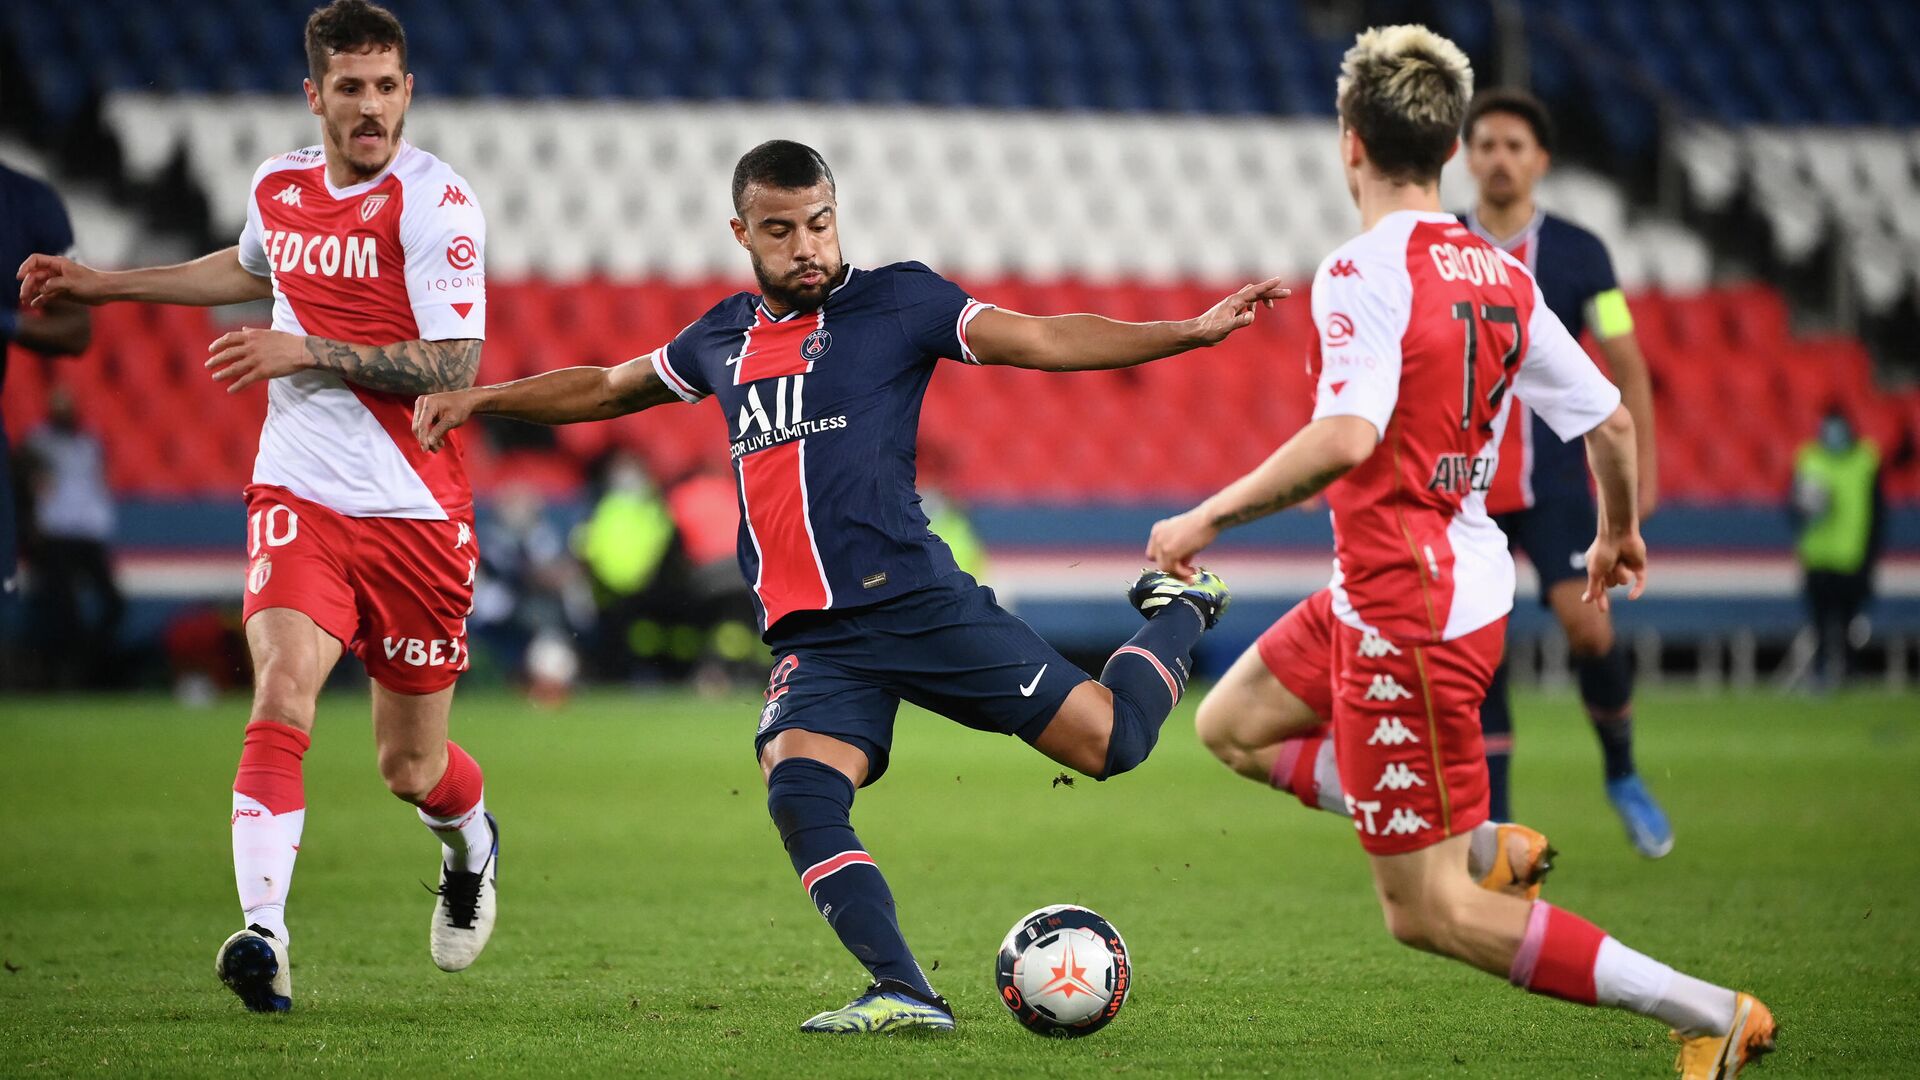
(248,356)
(1316,456)
(1618,555)
(208,281)
(1094,342)
(567,396)
(1629,367)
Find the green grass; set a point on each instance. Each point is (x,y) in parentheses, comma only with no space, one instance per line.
(650,923)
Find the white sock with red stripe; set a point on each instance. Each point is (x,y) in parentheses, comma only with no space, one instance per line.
(1563,955)
(456,811)
(269,812)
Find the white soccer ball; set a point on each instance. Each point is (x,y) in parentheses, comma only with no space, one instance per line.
(1064,971)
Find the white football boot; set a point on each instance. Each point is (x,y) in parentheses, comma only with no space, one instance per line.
(253,963)
(463,914)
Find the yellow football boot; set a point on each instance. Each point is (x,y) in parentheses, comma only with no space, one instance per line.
(1526,859)
(1721,1057)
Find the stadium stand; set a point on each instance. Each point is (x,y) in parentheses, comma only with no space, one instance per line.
(1134,157)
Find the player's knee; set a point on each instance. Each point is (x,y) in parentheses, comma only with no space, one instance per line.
(805,794)
(411,774)
(1590,638)
(1432,922)
(280,695)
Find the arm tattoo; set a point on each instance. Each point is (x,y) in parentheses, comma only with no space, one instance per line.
(1302,491)
(649,391)
(404,367)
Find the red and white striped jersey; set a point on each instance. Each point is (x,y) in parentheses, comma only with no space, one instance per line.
(395,258)
(1428,332)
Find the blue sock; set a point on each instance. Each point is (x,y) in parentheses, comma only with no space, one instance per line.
(1496,723)
(810,802)
(1147,676)
(1606,688)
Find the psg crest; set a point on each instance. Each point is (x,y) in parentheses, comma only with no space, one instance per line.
(816,345)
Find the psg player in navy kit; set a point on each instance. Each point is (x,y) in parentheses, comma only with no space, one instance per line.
(820,379)
(1540,496)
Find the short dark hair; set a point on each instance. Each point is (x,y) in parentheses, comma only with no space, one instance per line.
(351,26)
(1513,102)
(779,163)
(1403,90)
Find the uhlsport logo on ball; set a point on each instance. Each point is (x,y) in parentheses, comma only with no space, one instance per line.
(1064,971)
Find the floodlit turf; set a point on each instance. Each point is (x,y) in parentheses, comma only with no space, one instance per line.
(649,923)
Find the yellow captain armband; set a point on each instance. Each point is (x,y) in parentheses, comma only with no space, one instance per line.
(1609,316)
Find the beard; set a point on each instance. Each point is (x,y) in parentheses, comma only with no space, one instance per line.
(342,135)
(787,292)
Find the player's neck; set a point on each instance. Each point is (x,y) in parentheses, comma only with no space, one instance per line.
(1378,198)
(1504,223)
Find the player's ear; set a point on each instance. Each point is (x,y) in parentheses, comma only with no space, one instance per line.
(409,96)
(740,233)
(313,96)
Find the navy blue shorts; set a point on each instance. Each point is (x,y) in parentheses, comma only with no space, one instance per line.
(1555,533)
(948,648)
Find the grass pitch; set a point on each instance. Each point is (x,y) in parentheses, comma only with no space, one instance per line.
(650,923)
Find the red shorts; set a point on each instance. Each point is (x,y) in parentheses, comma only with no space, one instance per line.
(1406,728)
(395,591)
(1297,650)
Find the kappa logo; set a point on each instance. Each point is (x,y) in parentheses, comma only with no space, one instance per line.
(291,196)
(1396,777)
(473,570)
(462,253)
(1373,647)
(1405,822)
(1339,328)
(371,205)
(1391,732)
(816,344)
(1343,268)
(465,537)
(1387,688)
(455,197)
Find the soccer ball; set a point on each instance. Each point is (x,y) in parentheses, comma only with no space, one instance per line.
(1064,971)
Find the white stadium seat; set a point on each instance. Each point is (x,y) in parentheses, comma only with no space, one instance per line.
(630,190)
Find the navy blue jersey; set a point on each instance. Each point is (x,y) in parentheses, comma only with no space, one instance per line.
(823,414)
(1576,279)
(32,222)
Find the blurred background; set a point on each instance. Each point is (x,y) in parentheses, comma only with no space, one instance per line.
(1753,165)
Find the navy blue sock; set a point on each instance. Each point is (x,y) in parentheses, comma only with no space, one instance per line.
(1147,676)
(1496,723)
(1606,688)
(810,802)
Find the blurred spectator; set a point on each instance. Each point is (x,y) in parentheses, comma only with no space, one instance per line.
(949,522)
(706,514)
(32,219)
(74,604)
(532,601)
(624,544)
(1840,515)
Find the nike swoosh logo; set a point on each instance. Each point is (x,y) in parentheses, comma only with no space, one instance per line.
(1027,690)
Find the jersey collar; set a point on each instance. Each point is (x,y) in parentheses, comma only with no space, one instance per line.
(760,305)
(365,186)
(1527,231)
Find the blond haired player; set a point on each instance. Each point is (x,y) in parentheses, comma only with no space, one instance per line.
(357,539)
(1425,333)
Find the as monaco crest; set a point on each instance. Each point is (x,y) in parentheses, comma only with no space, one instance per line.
(258,573)
(369,206)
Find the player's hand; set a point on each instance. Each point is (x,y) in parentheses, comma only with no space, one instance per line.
(436,414)
(252,355)
(56,277)
(1611,562)
(1176,540)
(1236,311)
